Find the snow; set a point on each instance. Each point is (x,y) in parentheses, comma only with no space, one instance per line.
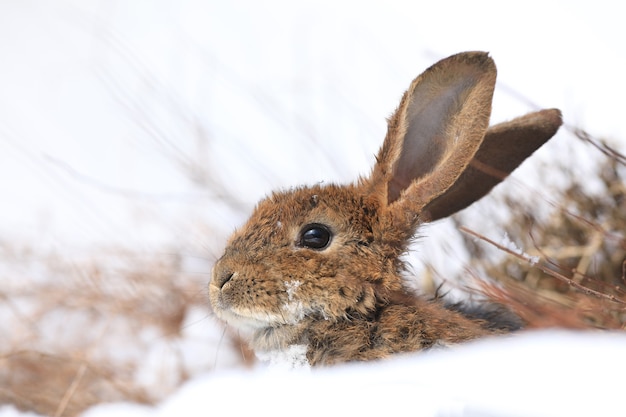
(154,123)
(532,375)
(512,246)
(293,309)
(10,411)
(292,287)
(292,357)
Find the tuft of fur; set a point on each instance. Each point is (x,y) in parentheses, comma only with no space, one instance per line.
(346,300)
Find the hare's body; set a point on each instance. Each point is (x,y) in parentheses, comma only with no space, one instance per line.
(320,266)
(399,325)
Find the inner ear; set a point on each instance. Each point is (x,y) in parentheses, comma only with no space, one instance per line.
(429,137)
(434,134)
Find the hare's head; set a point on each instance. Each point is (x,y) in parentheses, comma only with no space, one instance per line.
(331,252)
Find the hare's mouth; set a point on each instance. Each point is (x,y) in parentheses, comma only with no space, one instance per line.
(241,321)
(247,319)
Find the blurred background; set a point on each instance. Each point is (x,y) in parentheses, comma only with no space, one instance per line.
(136,135)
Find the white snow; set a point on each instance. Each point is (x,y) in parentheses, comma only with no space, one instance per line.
(293,308)
(512,246)
(293,357)
(152,124)
(533,375)
(10,411)
(291,287)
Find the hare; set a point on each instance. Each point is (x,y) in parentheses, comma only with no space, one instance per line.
(318,269)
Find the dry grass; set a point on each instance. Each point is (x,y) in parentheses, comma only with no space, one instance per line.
(572,272)
(78,333)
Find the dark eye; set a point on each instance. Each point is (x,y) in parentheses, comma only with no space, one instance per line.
(315,236)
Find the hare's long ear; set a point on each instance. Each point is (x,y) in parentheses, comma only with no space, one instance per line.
(505,146)
(434,134)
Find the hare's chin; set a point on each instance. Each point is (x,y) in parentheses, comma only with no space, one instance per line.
(249,321)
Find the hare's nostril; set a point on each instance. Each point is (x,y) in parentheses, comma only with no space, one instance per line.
(226,278)
(222,277)
(221,274)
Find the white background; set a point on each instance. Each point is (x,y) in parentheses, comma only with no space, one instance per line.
(147,123)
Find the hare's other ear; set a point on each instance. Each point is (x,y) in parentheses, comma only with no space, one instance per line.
(434,134)
(506,145)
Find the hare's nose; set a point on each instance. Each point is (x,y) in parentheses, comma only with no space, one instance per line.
(222,275)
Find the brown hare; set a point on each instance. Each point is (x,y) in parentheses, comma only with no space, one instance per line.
(318,270)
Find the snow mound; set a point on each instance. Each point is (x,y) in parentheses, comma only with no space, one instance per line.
(548,373)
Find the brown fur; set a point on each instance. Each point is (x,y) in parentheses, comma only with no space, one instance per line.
(348,301)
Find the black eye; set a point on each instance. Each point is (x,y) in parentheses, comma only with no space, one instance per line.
(315,236)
